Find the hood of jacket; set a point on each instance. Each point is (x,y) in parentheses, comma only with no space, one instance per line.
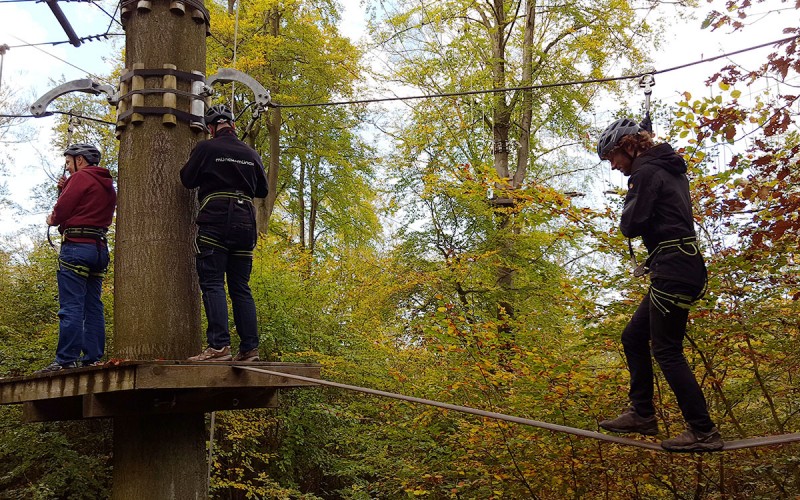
(101,175)
(662,156)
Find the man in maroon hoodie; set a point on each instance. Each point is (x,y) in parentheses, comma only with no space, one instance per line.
(83,212)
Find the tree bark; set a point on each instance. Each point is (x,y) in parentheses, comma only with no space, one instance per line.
(156,294)
(265,207)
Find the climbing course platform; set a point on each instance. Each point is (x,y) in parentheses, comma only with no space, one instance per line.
(130,388)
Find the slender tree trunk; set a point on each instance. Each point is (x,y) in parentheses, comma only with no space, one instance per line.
(156,295)
(265,207)
(301,201)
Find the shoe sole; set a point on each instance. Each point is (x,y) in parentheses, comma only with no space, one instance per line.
(209,360)
(696,447)
(630,431)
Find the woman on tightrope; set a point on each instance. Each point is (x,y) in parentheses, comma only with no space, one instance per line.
(658,208)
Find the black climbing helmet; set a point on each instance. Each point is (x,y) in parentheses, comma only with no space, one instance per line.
(613,133)
(218,113)
(91,153)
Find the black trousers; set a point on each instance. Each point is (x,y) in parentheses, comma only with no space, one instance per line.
(652,331)
(227,259)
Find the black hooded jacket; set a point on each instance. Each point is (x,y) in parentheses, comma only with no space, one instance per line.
(225,164)
(658,208)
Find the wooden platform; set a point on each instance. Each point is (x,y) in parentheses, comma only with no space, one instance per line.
(148,387)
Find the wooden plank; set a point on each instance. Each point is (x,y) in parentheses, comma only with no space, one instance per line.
(150,402)
(66,383)
(48,410)
(211,375)
(132,375)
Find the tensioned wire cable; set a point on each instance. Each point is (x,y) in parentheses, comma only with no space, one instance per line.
(492,91)
(534,87)
(97,120)
(649,445)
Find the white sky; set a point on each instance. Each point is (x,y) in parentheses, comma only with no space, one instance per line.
(29,70)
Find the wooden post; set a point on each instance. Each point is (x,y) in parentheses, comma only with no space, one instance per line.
(156,296)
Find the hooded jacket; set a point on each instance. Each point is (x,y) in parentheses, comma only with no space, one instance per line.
(87,200)
(658,208)
(225,164)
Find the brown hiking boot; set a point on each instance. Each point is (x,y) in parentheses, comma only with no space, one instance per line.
(630,421)
(693,440)
(211,354)
(251,355)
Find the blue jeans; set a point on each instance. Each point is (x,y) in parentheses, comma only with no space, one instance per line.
(82,327)
(229,256)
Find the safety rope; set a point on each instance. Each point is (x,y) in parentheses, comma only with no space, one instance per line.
(729,445)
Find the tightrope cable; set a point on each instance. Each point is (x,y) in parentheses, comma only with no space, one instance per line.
(533,87)
(730,445)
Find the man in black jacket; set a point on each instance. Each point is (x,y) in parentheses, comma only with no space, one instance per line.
(658,208)
(228,175)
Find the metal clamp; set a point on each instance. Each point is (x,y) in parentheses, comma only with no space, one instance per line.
(225,75)
(647,82)
(39,108)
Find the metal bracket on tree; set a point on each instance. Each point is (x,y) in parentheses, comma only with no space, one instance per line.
(39,108)
(262,97)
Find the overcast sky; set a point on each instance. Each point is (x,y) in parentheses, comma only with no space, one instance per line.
(30,71)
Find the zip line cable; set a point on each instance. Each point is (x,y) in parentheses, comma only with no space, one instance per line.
(534,87)
(98,120)
(446,94)
(649,445)
(56,57)
(89,38)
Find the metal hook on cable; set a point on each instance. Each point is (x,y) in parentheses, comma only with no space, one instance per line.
(646,82)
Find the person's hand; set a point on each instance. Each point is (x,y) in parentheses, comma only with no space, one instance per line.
(50,220)
(61,182)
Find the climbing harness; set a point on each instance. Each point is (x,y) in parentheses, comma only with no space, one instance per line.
(208,241)
(649,445)
(236,196)
(686,245)
(96,233)
(665,246)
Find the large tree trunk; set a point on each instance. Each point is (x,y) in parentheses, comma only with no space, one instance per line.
(156,295)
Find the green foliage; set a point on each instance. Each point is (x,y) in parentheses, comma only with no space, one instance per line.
(426,312)
(58,460)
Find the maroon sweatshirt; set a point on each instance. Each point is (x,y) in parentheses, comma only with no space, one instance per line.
(87,200)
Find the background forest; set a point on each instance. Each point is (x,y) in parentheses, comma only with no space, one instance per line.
(464,249)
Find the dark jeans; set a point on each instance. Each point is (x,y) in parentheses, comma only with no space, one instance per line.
(214,265)
(82,326)
(664,332)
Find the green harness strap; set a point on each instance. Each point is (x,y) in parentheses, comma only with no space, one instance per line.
(80,270)
(95,233)
(225,195)
(203,240)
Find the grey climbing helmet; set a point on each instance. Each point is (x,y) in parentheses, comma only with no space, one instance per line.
(91,153)
(613,133)
(218,113)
